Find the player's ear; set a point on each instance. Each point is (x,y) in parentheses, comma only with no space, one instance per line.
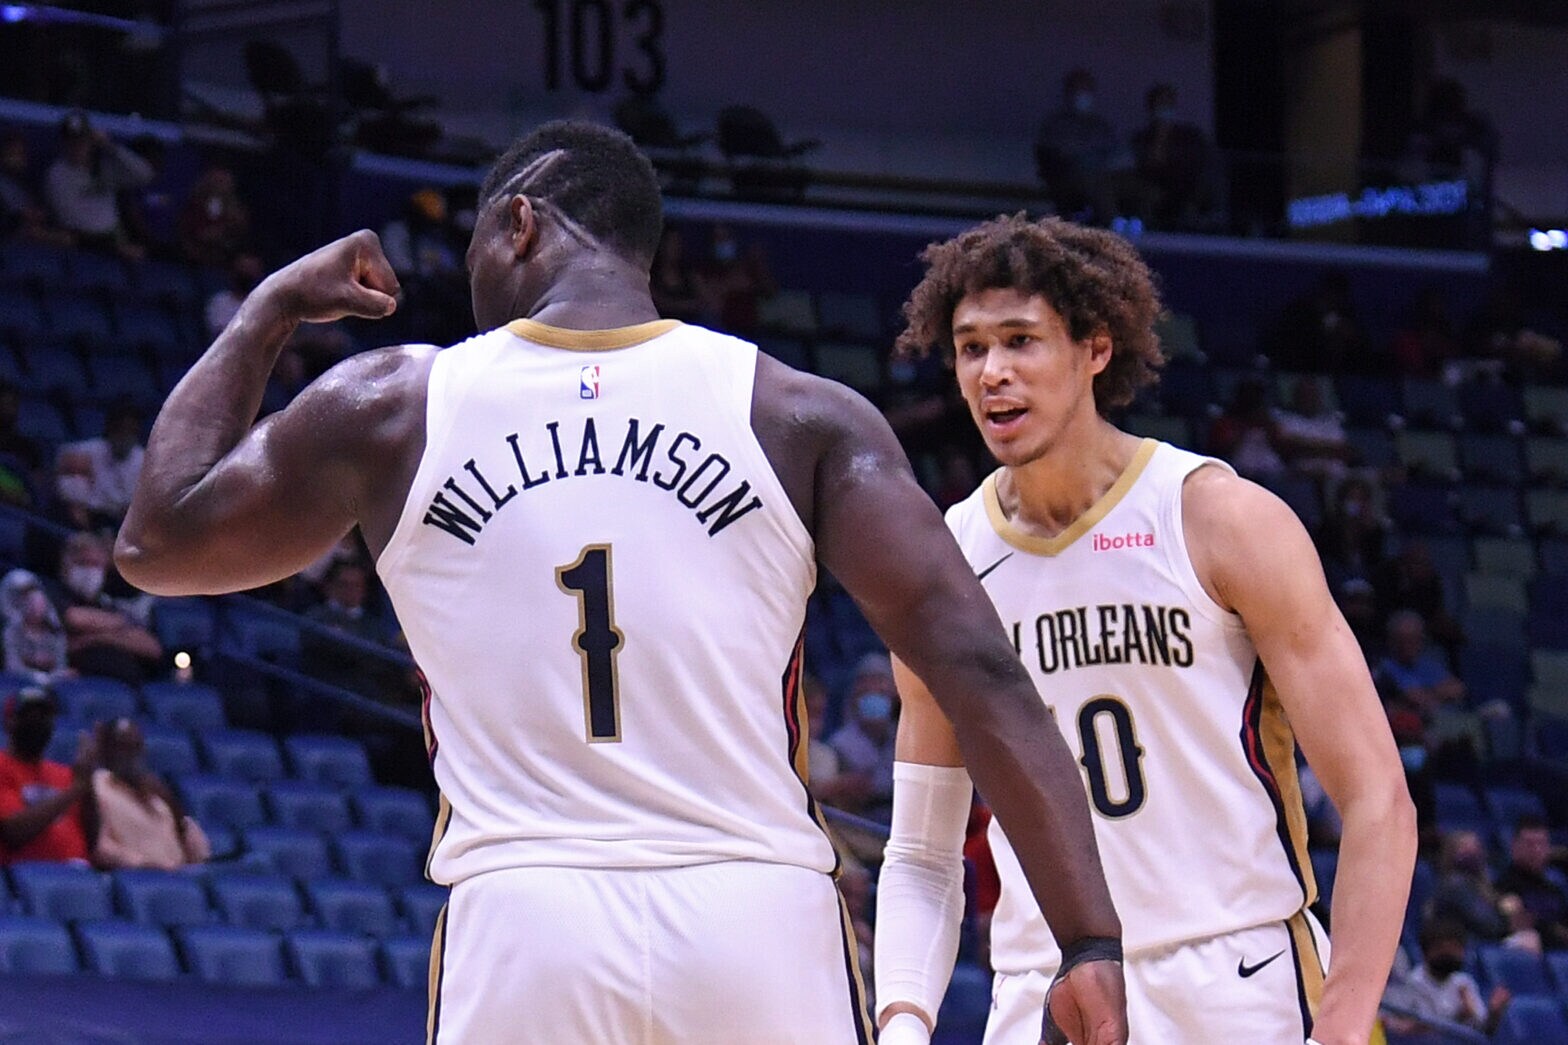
(522,225)
(1100,347)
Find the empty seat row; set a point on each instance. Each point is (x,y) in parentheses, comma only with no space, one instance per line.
(213,954)
(70,894)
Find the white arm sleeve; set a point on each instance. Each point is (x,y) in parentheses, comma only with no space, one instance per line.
(920,894)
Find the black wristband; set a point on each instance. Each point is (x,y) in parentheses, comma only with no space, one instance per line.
(1089,949)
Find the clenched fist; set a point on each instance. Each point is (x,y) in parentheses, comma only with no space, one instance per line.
(347,277)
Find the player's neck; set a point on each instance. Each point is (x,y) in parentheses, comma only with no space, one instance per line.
(601,294)
(1048,494)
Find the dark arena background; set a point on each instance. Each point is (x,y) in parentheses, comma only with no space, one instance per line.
(1357,210)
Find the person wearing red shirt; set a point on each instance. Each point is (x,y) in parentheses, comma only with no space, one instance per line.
(45,807)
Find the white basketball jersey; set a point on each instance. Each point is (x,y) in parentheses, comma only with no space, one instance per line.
(605,584)
(1187,758)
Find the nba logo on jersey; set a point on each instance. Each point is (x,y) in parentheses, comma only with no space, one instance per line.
(588,385)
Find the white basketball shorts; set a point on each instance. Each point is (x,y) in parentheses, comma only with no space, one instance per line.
(1259,985)
(711,954)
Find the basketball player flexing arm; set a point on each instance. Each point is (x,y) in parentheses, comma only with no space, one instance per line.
(1176,619)
(686,775)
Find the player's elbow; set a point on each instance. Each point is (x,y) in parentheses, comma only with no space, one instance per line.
(138,559)
(1383,803)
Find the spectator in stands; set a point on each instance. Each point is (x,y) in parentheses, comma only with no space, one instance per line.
(1173,160)
(421,245)
(733,281)
(676,292)
(83,184)
(46,808)
(106,634)
(865,743)
(1439,988)
(34,635)
(1410,581)
(1079,155)
(1428,343)
(1320,331)
(831,782)
(1247,434)
(20,455)
(140,822)
(343,610)
(1465,893)
(1352,536)
(96,477)
(1499,342)
(854,884)
(1358,602)
(1539,887)
(214,223)
(22,211)
(1421,679)
(244,272)
(1309,436)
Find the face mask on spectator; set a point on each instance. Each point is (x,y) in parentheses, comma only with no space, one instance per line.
(85,581)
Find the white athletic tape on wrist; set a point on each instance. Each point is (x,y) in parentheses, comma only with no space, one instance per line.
(920,893)
(905,1028)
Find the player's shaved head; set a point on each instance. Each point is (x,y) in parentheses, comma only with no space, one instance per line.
(1093,278)
(594,176)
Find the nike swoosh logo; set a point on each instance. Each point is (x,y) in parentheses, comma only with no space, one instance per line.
(985,572)
(1244,970)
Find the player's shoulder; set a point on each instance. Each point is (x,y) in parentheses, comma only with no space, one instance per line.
(374,398)
(812,404)
(1238,533)
(1215,498)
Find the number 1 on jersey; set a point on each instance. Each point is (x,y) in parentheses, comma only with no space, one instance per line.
(597,640)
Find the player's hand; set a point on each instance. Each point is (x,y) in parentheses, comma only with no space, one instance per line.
(1088,1006)
(347,277)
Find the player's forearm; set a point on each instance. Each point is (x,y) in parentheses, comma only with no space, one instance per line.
(204,418)
(1376,855)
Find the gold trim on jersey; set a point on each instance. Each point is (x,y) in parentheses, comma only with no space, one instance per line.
(1309,964)
(857,983)
(443,821)
(590,340)
(1279,752)
(437,956)
(1021,539)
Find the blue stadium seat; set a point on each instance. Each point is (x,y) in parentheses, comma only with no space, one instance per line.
(127,950)
(220,802)
(243,754)
(76,315)
(64,892)
(1493,511)
(852,316)
(316,807)
(421,904)
(1557,965)
(1531,1021)
(395,810)
(1302,494)
(32,263)
(1518,970)
(53,367)
(1458,807)
(406,961)
(191,706)
(1491,458)
(94,699)
(334,760)
(1423,508)
(166,282)
(225,954)
(1553,552)
(67,735)
(324,958)
(254,901)
(126,377)
(1495,627)
(1491,406)
(787,350)
(1430,403)
(1494,670)
(264,637)
(90,270)
(169,750)
(20,314)
(1184,389)
(41,420)
(13,537)
(1509,805)
(164,898)
(144,324)
(1368,401)
(352,907)
(372,856)
(35,946)
(293,851)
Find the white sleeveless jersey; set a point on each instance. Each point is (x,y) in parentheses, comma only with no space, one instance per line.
(1187,758)
(604,584)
